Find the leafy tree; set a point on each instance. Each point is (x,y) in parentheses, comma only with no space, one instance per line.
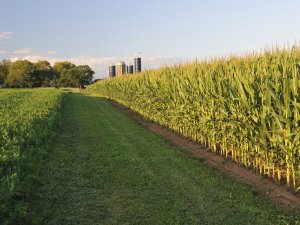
(65,79)
(4,69)
(77,76)
(61,75)
(44,72)
(59,67)
(73,76)
(82,76)
(21,74)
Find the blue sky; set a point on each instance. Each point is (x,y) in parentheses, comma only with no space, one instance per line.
(98,32)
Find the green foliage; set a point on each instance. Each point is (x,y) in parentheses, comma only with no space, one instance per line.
(60,67)
(83,76)
(45,73)
(104,168)
(246,108)
(21,74)
(27,124)
(4,70)
(73,76)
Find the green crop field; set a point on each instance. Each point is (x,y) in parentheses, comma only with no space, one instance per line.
(246,108)
(150,112)
(74,158)
(28,119)
(101,167)
(104,168)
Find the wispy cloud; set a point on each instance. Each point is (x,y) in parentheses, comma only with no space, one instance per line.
(52,52)
(2,52)
(23,51)
(6,35)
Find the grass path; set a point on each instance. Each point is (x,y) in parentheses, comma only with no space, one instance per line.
(106,169)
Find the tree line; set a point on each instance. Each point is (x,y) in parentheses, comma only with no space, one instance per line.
(25,74)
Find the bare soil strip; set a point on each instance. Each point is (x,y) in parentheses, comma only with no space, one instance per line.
(264,186)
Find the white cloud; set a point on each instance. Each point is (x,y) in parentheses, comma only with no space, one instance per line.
(6,35)
(15,59)
(2,52)
(23,51)
(52,52)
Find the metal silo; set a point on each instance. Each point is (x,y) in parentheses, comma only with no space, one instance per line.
(112,70)
(121,68)
(130,69)
(137,65)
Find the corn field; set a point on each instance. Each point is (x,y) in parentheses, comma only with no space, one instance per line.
(245,108)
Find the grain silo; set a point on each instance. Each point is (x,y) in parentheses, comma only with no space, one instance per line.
(112,71)
(121,68)
(130,69)
(137,65)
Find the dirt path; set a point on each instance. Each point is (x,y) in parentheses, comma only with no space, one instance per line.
(265,186)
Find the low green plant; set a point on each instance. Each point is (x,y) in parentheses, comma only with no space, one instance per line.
(28,119)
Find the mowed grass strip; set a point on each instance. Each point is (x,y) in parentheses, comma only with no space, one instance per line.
(106,169)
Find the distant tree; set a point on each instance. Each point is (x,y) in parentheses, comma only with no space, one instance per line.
(44,73)
(62,77)
(83,76)
(54,83)
(21,74)
(77,76)
(65,79)
(4,70)
(59,67)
